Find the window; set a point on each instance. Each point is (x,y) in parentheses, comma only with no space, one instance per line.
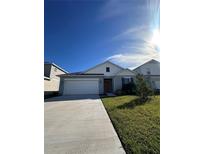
(148,71)
(55,69)
(107,69)
(153,83)
(126,80)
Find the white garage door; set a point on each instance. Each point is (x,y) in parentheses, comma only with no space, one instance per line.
(81,86)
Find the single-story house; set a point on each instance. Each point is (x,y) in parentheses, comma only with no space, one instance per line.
(106,77)
(151,72)
(51,80)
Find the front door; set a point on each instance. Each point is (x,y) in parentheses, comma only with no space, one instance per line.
(107,85)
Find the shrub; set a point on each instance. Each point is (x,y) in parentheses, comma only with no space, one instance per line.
(157,92)
(118,92)
(142,88)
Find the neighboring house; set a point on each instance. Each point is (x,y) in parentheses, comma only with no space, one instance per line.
(151,71)
(106,77)
(51,80)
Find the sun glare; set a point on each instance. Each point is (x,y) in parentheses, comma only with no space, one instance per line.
(155,38)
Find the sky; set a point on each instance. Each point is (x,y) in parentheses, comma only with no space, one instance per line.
(78,34)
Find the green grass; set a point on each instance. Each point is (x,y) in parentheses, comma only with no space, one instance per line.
(138,125)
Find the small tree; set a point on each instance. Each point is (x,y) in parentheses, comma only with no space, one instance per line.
(142,88)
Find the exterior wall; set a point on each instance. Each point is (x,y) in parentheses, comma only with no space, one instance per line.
(51,85)
(153,66)
(61,86)
(102,69)
(126,73)
(153,81)
(101,85)
(118,81)
(55,71)
(54,83)
(154,77)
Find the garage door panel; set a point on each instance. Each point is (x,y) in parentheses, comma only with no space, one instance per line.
(84,86)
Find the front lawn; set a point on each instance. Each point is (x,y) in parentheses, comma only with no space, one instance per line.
(138,125)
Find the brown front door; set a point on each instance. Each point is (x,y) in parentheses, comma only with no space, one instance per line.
(107,85)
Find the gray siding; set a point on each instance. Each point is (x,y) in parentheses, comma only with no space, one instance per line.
(101,85)
(152,66)
(102,69)
(151,80)
(117,83)
(61,87)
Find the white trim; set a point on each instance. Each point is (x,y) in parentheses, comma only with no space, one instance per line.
(47,78)
(47,63)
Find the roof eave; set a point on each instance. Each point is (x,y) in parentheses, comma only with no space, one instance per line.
(47,63)
(145,63)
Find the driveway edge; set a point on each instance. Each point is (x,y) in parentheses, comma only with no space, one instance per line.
(113,126)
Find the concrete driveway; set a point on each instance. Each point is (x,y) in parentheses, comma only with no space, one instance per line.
(79,125)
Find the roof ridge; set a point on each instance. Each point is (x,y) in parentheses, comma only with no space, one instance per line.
(102,64)
(145,63)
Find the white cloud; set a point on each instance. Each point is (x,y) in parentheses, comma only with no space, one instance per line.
(111,9)
(132,60)
(135,46)
(139,31)
(136,49)
(115,8)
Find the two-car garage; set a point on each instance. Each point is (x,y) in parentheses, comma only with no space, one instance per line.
(81,86)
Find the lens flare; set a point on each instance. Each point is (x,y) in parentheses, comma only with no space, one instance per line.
(156,38)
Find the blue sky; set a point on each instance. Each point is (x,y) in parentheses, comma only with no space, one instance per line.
(82,33)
